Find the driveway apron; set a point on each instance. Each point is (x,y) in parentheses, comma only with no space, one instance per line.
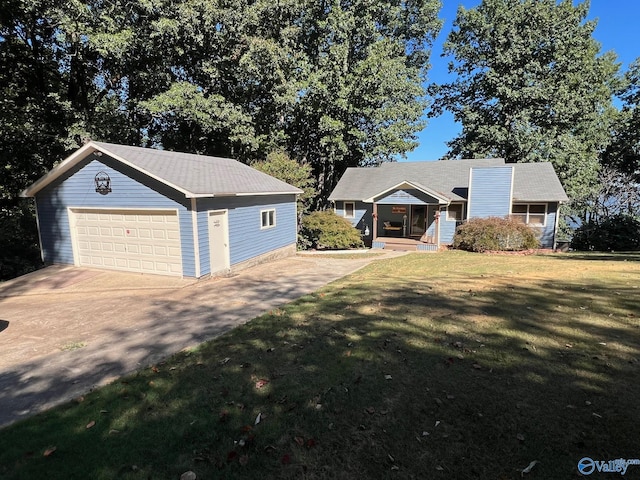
(66,330)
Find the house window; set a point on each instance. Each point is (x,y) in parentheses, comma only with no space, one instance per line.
(349,210)
(534,214)
(268,218)
(454,212)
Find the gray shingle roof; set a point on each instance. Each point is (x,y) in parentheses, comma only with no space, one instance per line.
(449,178)
(194,175)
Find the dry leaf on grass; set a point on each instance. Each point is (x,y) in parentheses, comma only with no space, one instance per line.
(528,468)
(261,383)
(188,476)
(49,451)
(91,424)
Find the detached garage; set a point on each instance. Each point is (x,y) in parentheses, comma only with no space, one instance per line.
(152,211)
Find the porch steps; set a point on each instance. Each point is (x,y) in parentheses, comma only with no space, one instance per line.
(405,246)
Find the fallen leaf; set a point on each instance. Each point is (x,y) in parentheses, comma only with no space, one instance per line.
(258,418)
(114,431)
(520,437)
(80,399)
(261,383)
(528,468)
(477,366)
(311,443)
(286,459)
(391,458)
(224,361)
(91,424)
(439,468)
(299,440)
(243,460)
(370,410)
(155,369)
(388,377)
(188,476)
(49,451)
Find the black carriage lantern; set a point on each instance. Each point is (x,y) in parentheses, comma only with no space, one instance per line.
(103,183)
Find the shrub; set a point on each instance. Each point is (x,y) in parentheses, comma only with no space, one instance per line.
(482,234)
(327,230)
(619,232)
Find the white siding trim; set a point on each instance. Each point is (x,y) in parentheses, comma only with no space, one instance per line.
(38,227)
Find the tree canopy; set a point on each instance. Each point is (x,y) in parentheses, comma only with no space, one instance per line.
(331,83)
(531,86)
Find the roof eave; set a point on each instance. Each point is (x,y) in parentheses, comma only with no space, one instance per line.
(442,200)
(79,155)
(63,167)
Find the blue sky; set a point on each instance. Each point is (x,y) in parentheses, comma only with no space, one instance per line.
(617,30)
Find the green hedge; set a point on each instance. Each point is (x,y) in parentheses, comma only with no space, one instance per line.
(619,233)
(501,234)
(327,230)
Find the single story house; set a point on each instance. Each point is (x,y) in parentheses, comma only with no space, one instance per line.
(154,211)
(426,201)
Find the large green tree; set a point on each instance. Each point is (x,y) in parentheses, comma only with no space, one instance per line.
(531,86)
(333,83)
(623,154)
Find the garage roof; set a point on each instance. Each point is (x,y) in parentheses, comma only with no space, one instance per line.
(193,175)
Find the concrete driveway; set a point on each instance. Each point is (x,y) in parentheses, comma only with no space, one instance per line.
(65,330)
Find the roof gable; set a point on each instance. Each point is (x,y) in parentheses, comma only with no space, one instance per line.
(193,175)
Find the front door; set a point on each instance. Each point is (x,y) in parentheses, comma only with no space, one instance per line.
(218,241)
(418,216)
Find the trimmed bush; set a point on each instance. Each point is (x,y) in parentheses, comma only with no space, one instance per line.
(327,230)
(619,233)
(502,234)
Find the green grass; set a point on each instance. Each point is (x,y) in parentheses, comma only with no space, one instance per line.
(452,366)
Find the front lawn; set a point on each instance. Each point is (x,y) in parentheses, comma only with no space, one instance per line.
(452,366)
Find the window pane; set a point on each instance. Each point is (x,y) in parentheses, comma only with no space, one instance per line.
(265,219)
(519,209)
(536,209)
(536,219)
(520,218)
(454,212)
(349,210)
(272,218)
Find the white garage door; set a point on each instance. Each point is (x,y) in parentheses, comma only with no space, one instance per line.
(145,241)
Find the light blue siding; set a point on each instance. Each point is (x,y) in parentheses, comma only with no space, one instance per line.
(546,233)
(406,197)
(490,192)
(362,218)
(246,239)
(130,189)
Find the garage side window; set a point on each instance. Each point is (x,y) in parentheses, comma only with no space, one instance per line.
(267,219)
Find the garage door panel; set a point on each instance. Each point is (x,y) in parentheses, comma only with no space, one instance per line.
(139,241)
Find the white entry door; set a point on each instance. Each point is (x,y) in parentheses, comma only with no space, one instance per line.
(218,241)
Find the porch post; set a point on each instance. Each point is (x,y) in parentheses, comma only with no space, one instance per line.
(437,215)
(374,233)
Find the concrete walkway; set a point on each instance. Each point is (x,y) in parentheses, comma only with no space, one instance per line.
(66,330)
